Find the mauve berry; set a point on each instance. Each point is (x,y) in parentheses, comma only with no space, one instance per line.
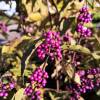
(38,92)
(1,94)
(12,85)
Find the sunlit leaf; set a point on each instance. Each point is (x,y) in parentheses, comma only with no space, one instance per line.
(98,92)
(90,3)
(97,38)
(77,79)
(34,17)
(16,71)
(96,56)
(19,95)
(80,98)
(58,68)
(80,48)
(70,70)
(36,12)
(11,47)
(51,8)
(52,96)
(60,5)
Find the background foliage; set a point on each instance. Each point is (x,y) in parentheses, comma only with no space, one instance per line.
(26,26)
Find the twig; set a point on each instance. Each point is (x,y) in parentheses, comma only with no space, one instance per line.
(50,18)
(57,80)
(74,55)
(45,62)
(54,90)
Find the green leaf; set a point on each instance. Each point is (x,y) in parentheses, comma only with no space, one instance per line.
(52,96)
(69,70)
(77,48)
(10,48)
(77,79)
(19,95)
(60,5)
(97,38)
(90,3)
(98,92)
(96,56)
(5,81)
(80,48)
(66,79)
(89,25)
(96,16)
(16,71)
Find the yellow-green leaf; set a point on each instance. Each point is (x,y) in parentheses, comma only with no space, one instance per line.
(34,17)
(80,48)
(96,56)
(70,71)
(60,5)
(19,95)
(77,79)
(52,96)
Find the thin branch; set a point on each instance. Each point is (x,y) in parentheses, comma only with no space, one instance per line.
(54,90)
(74,54)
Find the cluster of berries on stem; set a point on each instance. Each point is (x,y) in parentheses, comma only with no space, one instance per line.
(90,79)
(37,80)
(6,85)
(50,46)
(84,17)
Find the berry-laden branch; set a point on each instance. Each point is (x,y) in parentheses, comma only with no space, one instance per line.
(84,17)
(37,81)
(7,83)
(51,48)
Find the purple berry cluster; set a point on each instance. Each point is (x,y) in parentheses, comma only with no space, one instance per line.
(39,76)
(90,79)
(32,93)
(51,46)
(6,87)
(84,17)
(38,80)
(3,27)
(83,30)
